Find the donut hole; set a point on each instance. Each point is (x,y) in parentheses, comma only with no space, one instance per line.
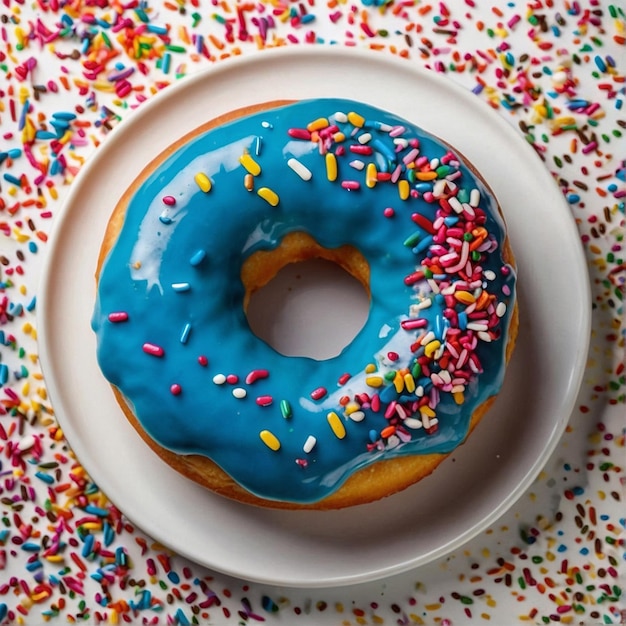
(307,301)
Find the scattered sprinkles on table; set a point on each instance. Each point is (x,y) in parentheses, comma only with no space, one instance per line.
(73,71)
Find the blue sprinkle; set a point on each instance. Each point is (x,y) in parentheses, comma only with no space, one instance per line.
(32,304)
(173,577)
(181,618)
(32,247)
(12,179)
(573,198)
(96,510)
(462,320)
(184,336)
(600,64)
(4,374)
(155,28)
(45,477)
(373,435)
(197,257)
(88,546)
(14,153)
(3,611)
(306,19)
(64,115)
(33,565)
(164,219)
(561,548)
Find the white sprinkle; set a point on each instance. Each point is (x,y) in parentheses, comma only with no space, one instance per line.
(425,421)
(309,444)
(412,423)
(400,141)
(365,138)
(439,187)
(181,286)
(445,376)
(474,199)
(219,379)
(501,309)
(26,443)
(455,204)
(340,117)
(428,337)
(393,441)
(433,285)
(300,169)
(434,164)
(457,389)
(477,326)
(266,125)
(489,274)
(483,336)
(419,391)
(239,393)
(357,416)
(357,165)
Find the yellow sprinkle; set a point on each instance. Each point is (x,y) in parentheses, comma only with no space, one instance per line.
(432,347)
(331,167)
(270,440)
(355,119)
(203,181)
(351,407)
(369,368)
(374,381)
(370,175)
(409,382)
(459,398)
(426,175)
(271,197)
(398,382)
(426,410)
(250,164)
(465,297)
(336,425)
(54,558)
(317,124)
(338,137)
(403,189)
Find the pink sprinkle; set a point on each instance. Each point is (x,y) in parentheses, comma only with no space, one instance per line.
(351,185)
(203,360)
(232,379)
(118,316)
(153,349)
(255,375)
(264,400)
(169,200)
(590,147)
(389,212)
(319,393)
(176,389)
(393,356)
(420,322)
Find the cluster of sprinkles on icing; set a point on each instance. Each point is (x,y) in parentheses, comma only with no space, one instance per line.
(538,64)
(448,255)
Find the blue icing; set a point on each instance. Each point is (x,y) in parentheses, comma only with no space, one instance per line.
(201,240)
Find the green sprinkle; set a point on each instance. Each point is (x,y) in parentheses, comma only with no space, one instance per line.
(285,409)
(173,48)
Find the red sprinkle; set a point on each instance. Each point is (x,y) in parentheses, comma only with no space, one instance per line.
(176,389)
(153,349)
(118,316)
(255,375)
(319,393)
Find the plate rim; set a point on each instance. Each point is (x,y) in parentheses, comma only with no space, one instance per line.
(46,299)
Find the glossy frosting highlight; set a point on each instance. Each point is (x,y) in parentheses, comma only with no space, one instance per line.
(174,339)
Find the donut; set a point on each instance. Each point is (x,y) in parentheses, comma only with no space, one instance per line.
(217,215)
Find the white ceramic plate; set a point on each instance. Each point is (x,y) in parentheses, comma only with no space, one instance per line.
(471,489)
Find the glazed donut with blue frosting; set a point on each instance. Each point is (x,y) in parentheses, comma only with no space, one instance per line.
(216,216)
